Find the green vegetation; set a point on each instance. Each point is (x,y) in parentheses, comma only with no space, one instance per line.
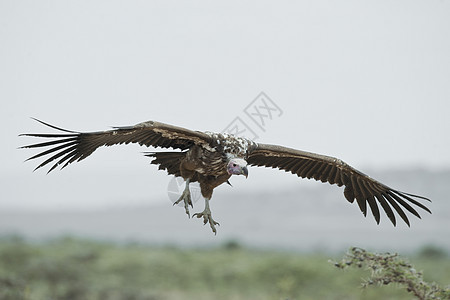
(392,269)
(70,268)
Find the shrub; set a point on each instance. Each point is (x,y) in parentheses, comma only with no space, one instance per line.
(391,268)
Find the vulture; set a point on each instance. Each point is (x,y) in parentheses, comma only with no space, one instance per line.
(212,158)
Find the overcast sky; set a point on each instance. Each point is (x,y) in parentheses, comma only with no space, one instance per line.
(365,81)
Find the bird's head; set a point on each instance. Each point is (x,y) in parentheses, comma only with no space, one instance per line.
(237,166)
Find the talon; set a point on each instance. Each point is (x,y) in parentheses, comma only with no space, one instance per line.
(186,198)
(207,218)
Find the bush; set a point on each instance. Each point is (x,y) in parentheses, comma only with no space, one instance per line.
(390,268)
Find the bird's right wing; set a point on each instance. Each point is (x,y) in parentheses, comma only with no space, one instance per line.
(70,146)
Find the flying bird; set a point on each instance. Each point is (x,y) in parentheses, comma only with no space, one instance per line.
(212,158)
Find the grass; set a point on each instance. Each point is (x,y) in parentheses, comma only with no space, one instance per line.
(69,268)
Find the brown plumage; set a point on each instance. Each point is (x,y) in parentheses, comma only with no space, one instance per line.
(211,159)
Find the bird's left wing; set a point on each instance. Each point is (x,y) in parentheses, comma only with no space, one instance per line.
(70,146)
(359,186)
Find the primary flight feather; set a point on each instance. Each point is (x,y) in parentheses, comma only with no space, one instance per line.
(212,158)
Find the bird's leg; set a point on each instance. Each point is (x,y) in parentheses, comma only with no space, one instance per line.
(207,217)
(186,197)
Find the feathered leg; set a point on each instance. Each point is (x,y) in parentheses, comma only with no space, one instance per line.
(186,197)
(207,217)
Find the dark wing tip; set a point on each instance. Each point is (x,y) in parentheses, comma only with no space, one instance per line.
(410,197)
(52,126)
(365,190)
(64,143)
(417,196)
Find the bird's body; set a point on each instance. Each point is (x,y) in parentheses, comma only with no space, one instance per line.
(206,163)
(212,158)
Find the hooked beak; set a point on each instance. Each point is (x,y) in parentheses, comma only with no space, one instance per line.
(245,171)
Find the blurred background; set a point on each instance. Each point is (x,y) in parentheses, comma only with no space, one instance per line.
(364,82)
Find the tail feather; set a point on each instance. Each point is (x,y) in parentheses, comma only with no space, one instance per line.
(169,161)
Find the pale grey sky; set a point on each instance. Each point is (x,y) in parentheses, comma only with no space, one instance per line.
(368,82)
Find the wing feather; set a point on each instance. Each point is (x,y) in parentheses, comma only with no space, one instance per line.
(321,174)
(331,176)
(403,203)
(386,208)
(374,208)
(291,165)
(309,172)
(361,194)
(320,170)
(358,185)
(304,168)
(396,207)
(70,146)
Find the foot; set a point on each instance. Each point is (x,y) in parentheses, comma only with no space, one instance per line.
(186,197)
(207,217)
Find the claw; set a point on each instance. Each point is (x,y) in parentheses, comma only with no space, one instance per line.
(207,217)
(186,197)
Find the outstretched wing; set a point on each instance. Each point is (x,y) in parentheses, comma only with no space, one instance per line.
(334,171)
(70,146)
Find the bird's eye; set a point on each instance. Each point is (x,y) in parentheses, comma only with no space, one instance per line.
(234,165)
